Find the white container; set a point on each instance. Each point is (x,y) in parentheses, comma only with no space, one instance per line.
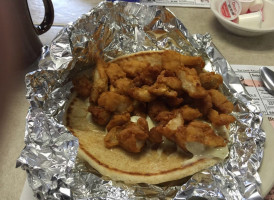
(237,28)
(256,5)
(251,20)
(268,14)
(230,9)
(245,5)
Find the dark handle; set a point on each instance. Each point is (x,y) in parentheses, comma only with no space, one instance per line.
(48,18)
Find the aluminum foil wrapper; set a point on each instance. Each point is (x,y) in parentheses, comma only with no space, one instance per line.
(50,154)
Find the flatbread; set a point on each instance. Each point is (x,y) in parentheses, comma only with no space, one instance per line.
(150,166)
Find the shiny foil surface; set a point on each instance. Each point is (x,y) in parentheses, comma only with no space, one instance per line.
(50,155)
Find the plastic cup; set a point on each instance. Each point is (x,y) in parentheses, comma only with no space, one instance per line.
(256,5)
(251,20)
(230,9)
(245,5)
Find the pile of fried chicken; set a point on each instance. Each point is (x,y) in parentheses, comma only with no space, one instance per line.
(177,94)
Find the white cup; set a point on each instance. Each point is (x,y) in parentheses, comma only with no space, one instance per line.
(229,9)
(268,14)
(256,5)
(245,5)
(251,20)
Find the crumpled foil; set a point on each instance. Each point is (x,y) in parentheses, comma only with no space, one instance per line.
(50,154)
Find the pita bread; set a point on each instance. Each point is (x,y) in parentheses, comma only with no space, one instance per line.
(150,166)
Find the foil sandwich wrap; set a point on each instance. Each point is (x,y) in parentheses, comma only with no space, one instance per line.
(50,155)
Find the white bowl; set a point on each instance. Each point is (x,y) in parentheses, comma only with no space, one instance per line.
(236,28)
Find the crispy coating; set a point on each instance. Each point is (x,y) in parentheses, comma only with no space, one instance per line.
(221,102)
(148,76)
(100,81)
(204,105)
(141,94)
(174,101)
(191,83)
(170,80)
(133,67)
(99,115)
(82,86)
(220,119)
(155,107)
(114,72)
(118,120)
(110,140)
(210,80)
(154,136)
(123,86)
(189,113)
(198,131)
(115,102)
(160,89)
(133,136)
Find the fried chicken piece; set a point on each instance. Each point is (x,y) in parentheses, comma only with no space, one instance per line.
(164,117)
(210,80)
(191,83)
(204,105)
(140,109)
(100,81)
(114,72)
(133,67)
(155,107)
(172,60)
(174,101)
(110,140)
(169,79)
(82,86)
(189,113)
(200,132)
(118,120)
(160,89)
(122,86)
(220,119)
(114,102)
(148,76)
(141,94)
(221,102)
(133,136)
(170,123)
(99,115)
(154,136)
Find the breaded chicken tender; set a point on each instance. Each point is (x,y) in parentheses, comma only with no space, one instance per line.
(148,76)
(118,120)
(189,113)
(221,102)
(110,140)
(133,136)
(201,132)
(114,72)
(160,89)
(99,115)
(170,80)
(155,107)
(191,83)
(115,102)
(220,119)
(210,80)
(141,94)
(123,86)
(133,67)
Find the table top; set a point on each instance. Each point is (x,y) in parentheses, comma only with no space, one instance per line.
(237,50)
